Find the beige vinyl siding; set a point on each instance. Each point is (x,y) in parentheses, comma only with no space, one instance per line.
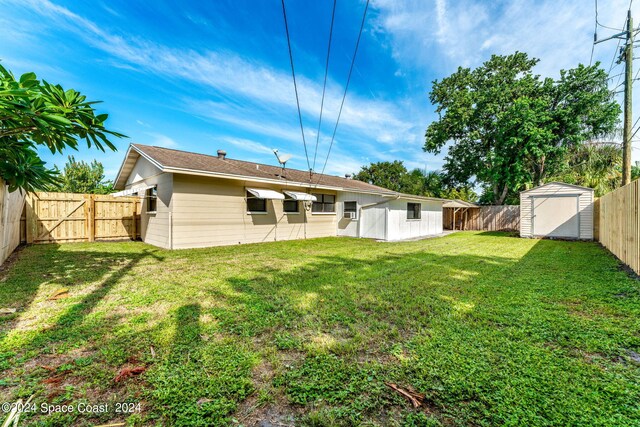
(213,212)
(585,207)
(155,228)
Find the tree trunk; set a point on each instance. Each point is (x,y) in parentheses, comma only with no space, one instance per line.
(540,175)
(503,195)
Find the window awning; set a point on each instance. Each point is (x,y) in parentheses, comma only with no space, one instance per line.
(132,191)
(296,195)
(262,193)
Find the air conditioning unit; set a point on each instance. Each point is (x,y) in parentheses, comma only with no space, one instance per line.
(351,215)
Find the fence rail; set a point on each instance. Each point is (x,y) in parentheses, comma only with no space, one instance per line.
(70,217)
(618,224)
(486,218)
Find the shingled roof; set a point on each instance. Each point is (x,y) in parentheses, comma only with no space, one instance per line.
(177,161)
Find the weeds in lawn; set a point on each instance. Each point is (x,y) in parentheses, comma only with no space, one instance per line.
(490,329)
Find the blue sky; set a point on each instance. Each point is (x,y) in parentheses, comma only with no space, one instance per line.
(200,76)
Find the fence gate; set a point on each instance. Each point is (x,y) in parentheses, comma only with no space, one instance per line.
(70,217)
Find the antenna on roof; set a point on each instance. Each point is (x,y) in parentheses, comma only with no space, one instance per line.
(282,159)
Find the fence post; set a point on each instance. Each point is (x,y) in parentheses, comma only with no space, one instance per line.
(90,215)
(31,218)
(134,229)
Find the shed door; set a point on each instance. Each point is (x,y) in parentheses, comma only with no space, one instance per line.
(556,216)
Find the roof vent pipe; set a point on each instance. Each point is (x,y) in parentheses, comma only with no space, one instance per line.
(222,154)
(347,175)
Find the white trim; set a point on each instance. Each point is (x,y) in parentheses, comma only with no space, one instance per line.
(257,212)
(126,156)
(151,159)
(559,183)
(323,213)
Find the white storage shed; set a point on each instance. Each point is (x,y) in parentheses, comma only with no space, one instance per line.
(557,210)
(390,218)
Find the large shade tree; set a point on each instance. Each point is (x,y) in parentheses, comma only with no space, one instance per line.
(36,113)
(508,128)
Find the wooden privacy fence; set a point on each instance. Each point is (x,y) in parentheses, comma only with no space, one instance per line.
(70,217)
(486,218)
(11,206)
(618,224)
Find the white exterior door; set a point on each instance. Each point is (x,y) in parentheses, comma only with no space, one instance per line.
(556,216)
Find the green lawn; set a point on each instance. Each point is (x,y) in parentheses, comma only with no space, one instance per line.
(494,330)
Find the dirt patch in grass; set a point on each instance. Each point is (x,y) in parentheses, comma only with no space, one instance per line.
(266,407)
(8,263)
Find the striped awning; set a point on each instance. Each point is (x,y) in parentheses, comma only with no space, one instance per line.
(132,191)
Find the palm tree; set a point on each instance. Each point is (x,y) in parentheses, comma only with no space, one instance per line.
(597,165)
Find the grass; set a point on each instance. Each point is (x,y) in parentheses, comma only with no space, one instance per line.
(494,330)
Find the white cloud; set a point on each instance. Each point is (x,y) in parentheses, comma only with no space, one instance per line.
(248,145)
(256,97)
(436,36)
(161,140)
(467,32)
(238,78)
(441,11)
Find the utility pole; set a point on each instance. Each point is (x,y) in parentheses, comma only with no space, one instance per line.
(628,88)
(626,55)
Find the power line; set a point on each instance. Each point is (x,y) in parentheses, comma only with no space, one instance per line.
(324,85)
(626,56)
(613,77)
(605,26)
(346,87)
(295,85)
(634,125)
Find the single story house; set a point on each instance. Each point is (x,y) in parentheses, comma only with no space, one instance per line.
(557,210)
(196,200)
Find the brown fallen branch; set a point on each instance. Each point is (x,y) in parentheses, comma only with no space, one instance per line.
(129,372)
(415,398)
(59,294)
(54,381)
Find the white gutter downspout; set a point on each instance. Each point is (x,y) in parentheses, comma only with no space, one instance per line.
(170,229)
(372,205)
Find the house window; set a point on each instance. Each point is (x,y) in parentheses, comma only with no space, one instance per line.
(255,204)
(414,211)
(350,209)
(324,203)
(152,199)
(290,205)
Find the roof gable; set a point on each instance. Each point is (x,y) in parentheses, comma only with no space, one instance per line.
(563,184)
